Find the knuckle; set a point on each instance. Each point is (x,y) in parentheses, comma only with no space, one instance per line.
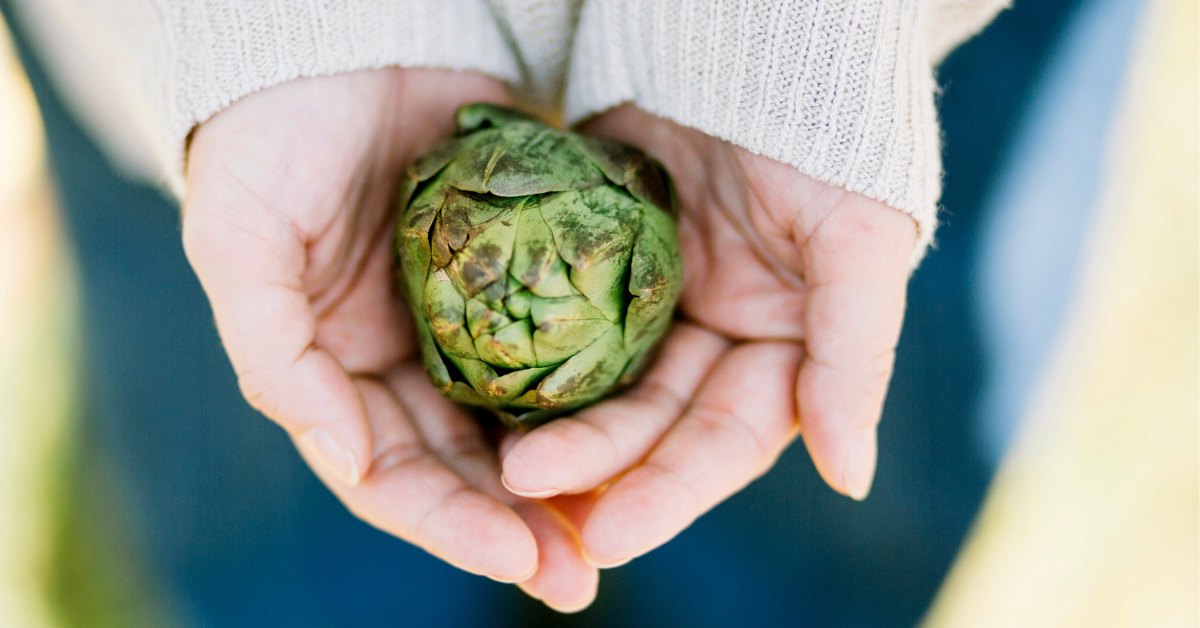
(259,391)
(846,231)
(727,426)
(356,510)
(699,502)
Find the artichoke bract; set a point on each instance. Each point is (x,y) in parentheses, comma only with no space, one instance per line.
(542,266)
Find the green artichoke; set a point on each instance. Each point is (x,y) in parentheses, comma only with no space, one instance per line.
(542,267)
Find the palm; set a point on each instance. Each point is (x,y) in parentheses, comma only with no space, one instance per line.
(288,223)
(792,302)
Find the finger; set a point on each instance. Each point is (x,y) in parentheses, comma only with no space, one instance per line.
(564,580)
(412,494)
(742,419)
(857,262)
(249,262)
(448,431)
(579,453)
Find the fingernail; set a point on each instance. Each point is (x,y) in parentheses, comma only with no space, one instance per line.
(550,492)
(858,465)
(604,564)
(530,592)
(334,457)
(509,580)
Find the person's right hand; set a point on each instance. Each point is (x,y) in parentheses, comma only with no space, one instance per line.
(288,223)
(792,303)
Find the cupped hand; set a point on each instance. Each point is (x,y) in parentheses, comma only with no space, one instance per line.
(288,222)
(793,298)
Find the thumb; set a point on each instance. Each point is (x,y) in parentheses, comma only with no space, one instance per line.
(250,261)
(857,264)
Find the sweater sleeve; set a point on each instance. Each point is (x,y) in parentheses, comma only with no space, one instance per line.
(843,90)
(141,74)
(540,33)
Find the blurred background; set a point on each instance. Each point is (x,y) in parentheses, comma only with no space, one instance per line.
(1038,465)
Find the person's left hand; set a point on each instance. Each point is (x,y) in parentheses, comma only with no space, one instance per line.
(288,222)
(792,303)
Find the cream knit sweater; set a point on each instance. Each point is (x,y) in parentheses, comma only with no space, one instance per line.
(841,89)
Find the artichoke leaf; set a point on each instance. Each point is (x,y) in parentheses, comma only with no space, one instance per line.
(414,265)
(510,346)
(588,375)
(520,159)
(603,283)
(530,400)
(463,393)
(511,385)
(435,365)
(603,279)
(637,364)
(564,326)
(655,279)
(483,320)
(558,342)
(519,301)
(429,164)
(493,295)
(642,176)
(485,259)
(476,116)
(453,226)
(461,218)
(536,262)
(552,311)
(406,189)
(478,373)
(584,231)
(445,309)
(412,241)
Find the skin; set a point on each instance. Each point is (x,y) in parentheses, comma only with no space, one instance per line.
(288,221)
(793,299)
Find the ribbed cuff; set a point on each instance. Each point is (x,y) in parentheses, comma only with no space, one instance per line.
(141,74)
(227,49)
(843,91)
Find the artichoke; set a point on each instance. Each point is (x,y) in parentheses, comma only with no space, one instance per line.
(542,267)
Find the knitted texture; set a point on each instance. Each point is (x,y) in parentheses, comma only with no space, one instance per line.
(143,73)
(540,32)
(842,90)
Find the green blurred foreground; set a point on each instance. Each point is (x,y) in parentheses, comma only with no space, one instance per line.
(62,560)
